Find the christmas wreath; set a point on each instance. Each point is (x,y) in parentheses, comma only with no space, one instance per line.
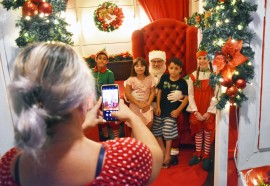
(108,17)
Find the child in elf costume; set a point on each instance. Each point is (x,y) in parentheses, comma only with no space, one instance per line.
(103,75)
(202,108)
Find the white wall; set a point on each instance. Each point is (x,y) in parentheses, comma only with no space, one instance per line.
(89,39)
(8,50)
(254,125)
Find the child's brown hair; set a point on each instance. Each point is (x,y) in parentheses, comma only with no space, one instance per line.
(102,52)
(143,63)
(176,61)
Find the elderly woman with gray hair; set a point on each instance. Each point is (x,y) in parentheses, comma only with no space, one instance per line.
(53,94)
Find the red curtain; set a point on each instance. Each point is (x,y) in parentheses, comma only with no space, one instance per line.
(156,9)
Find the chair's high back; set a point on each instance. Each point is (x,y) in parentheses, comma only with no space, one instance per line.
(177,39)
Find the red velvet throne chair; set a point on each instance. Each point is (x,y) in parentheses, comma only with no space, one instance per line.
(177,39)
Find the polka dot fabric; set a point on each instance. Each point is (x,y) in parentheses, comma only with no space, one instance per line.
(5,174)
(128,162)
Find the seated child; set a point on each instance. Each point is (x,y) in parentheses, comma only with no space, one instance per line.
(142,82)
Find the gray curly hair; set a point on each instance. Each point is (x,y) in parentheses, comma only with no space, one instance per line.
(49,81)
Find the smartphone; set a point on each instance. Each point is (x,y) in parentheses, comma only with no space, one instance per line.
(110,100)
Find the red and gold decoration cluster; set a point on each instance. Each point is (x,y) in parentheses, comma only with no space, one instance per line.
(34,7)
(259,176)
(108,17)
(199,20)
(226,62)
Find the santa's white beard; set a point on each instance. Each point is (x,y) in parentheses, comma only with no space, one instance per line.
(157,72)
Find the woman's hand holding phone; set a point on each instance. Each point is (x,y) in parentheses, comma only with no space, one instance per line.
(124,113)
(93,116)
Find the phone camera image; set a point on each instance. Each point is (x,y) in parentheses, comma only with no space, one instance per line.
(110,101)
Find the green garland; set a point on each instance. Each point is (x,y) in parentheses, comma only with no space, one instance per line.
(36,28)
(124,56)
(220,21)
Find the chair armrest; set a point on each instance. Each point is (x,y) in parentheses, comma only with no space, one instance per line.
(138,44)
(121,88)
(191,49)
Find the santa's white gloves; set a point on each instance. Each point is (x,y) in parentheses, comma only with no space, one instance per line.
(138,95)
(175,95)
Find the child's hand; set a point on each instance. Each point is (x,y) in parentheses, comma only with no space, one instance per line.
(175,113)
(206,116)
(141,105)
(145,108)
(158,111)
(199,116)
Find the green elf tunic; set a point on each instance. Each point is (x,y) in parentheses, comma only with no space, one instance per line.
(105,76)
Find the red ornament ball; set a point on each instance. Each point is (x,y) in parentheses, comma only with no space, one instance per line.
(45,8)
(29,9)
(227,82)
(232,91)
(240,83)
(38,1)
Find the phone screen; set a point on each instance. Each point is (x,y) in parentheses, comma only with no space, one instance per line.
(110,100)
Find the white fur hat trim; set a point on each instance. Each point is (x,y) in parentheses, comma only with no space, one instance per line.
(157,54)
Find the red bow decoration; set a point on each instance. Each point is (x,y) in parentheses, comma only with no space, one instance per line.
(229,58)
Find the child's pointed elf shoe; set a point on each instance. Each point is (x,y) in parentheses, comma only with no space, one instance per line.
(207,164)
(194,160)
